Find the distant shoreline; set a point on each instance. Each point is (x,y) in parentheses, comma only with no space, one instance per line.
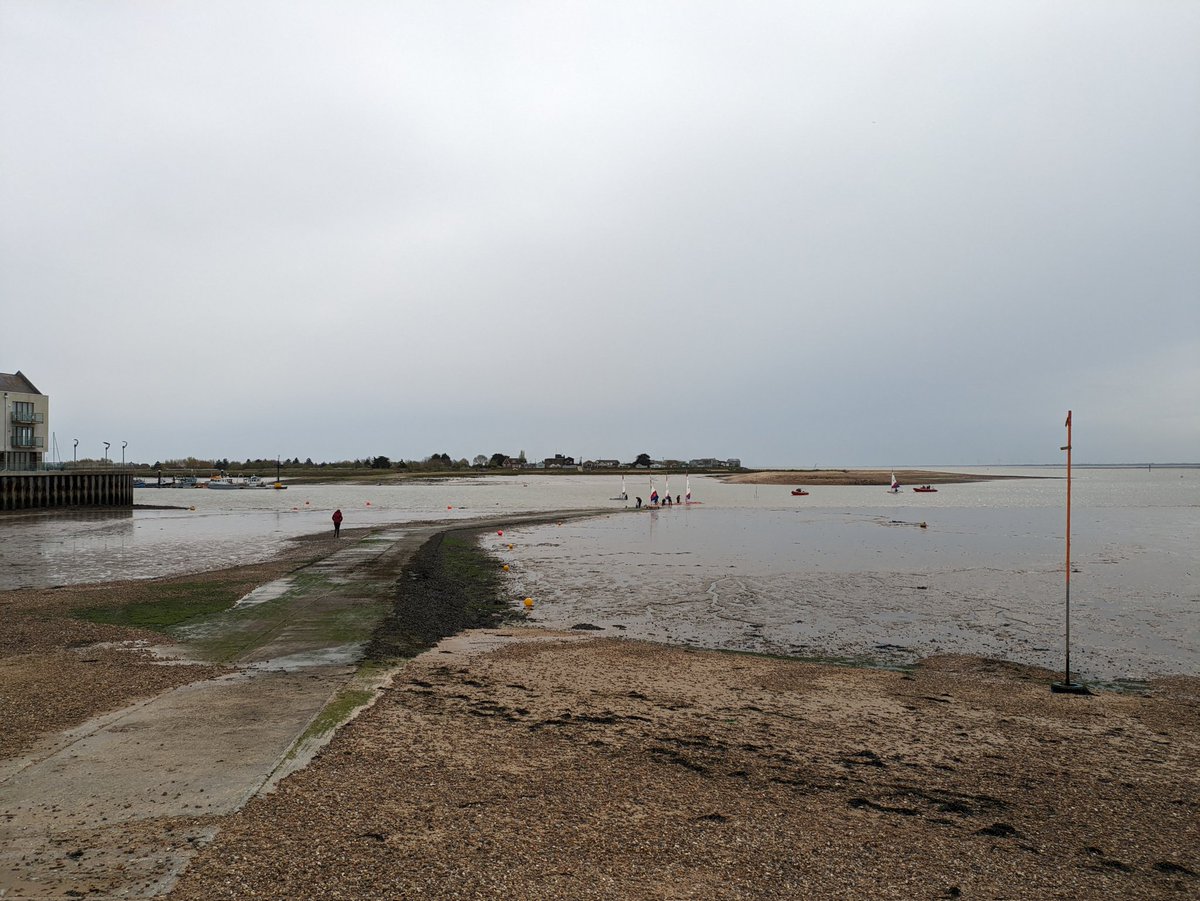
(861,477)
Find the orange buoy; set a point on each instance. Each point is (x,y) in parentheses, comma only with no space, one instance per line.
(505,567)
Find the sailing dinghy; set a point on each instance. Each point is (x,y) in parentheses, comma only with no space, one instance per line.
(624,496)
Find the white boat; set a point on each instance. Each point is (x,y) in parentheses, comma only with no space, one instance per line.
(223,483)
(895,489)
(256,482)
(687,491)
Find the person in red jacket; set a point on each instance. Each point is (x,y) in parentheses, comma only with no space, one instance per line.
(337,523)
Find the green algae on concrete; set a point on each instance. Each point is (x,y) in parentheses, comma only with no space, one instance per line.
(177,603)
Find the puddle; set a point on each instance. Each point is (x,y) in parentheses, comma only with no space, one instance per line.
(341,655)
(264,593)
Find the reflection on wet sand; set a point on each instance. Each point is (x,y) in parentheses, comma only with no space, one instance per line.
(43,548)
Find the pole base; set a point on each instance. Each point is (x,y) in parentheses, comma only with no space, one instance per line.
(1069,688)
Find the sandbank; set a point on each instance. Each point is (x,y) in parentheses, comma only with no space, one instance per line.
(906,477)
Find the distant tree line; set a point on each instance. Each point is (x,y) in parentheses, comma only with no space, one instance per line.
(436,462)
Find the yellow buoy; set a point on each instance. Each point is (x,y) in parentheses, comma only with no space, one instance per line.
(506,567)
(528,603)
(510,547)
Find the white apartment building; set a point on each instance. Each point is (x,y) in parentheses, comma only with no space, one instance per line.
(26,423)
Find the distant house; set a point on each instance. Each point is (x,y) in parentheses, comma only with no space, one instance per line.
(26,422)
(558,461)
(714,463)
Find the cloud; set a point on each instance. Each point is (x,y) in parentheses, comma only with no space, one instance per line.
(781,232)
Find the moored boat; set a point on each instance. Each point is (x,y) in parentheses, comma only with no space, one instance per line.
(799,492)
(925,489)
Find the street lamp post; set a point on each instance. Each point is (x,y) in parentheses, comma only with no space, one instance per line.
(124,444)
(107,445)
(75,452)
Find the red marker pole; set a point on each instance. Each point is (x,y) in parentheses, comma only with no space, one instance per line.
(1067,678)
(1067,685)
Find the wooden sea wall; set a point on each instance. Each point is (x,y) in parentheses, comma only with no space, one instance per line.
(46,490)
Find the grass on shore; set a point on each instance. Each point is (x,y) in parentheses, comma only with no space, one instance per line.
(176,603)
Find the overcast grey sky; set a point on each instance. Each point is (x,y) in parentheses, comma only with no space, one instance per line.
(851,233)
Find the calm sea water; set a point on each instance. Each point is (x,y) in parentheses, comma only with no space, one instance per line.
(846,571)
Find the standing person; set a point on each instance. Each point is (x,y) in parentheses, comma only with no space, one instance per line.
(337,523)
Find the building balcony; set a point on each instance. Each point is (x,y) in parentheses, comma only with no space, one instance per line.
(24,442)
(28,418)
